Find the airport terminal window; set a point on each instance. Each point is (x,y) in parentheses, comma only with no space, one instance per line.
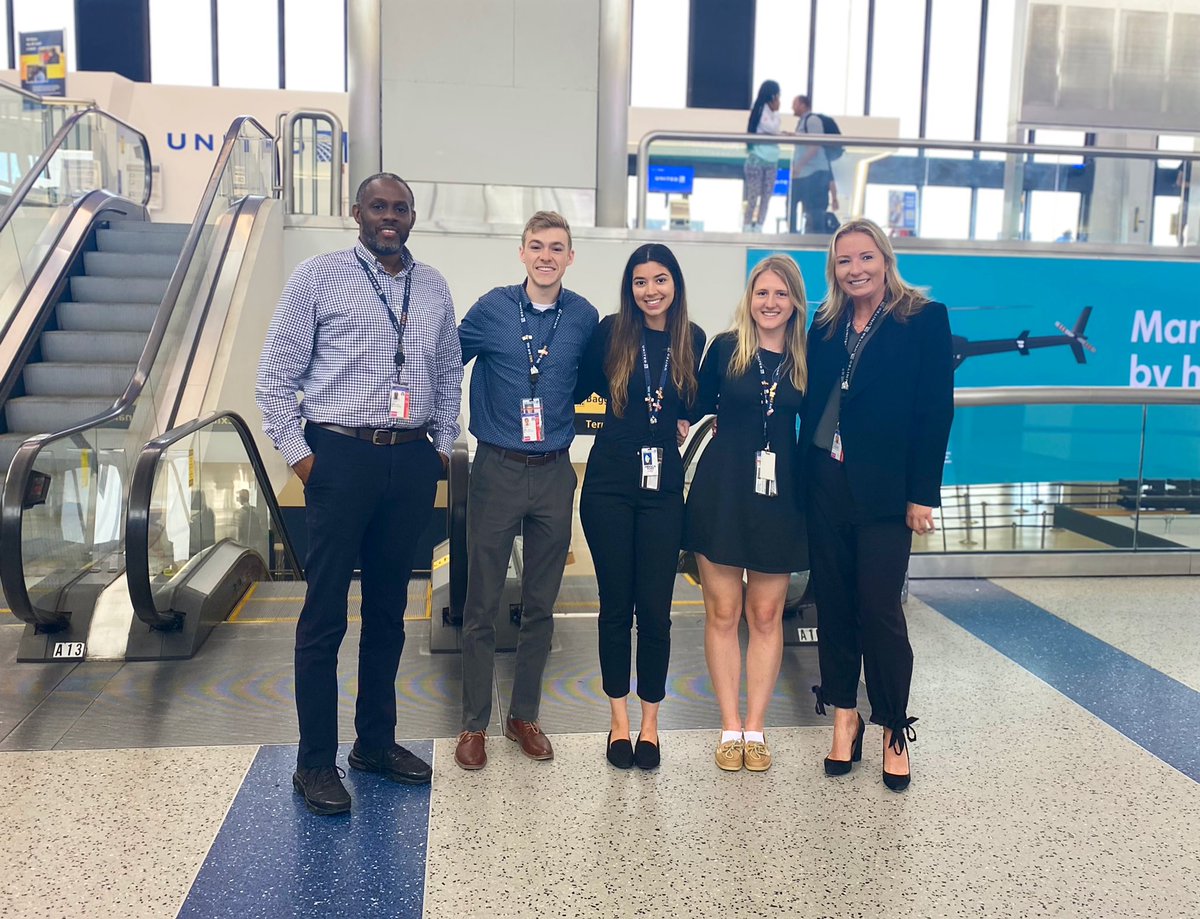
(315,46)
(997,72)
(896,63)
(41,15)
(181,42)
(840,62)
(953,68)
(658,71)
(781,46)
(248,43)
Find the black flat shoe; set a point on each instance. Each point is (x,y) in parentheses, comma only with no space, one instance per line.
(843,766)
(620,752)
(646,754)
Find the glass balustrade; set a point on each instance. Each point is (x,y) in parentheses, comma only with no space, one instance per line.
(931,190)
(82,476)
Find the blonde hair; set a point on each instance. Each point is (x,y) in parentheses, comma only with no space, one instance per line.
(546,220)
(747,332)
(903,300)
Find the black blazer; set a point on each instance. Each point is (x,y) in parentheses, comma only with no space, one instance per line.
(895,419)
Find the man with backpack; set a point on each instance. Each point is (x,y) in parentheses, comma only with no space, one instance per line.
(812,186)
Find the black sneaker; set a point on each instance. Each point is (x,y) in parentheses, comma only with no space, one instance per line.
(322,789)
(395,763)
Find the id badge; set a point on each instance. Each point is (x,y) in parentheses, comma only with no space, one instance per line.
(532,430)
(651,467)
(764,474)
(400,403)
(836,450)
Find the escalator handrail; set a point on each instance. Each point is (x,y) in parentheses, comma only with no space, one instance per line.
(458,475)
(141,492)
(60,137)
(12,568)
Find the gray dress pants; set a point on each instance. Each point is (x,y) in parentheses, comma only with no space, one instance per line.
(506,498)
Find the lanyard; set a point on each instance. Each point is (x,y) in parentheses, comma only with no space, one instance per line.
(398,325)
(654,399)
(848,370)
(769,388)
(535,363)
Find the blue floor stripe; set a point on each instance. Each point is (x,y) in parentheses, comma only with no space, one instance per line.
(1147,706)
(273,858)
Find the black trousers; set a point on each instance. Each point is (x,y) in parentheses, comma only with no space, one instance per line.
(361,502)
(857,568)
(634,537)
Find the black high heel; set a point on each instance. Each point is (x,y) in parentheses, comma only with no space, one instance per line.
(619,752)
(843,766)
(646,754)
(900,738)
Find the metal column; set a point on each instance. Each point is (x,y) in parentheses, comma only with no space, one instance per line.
(612,112)
(363,28)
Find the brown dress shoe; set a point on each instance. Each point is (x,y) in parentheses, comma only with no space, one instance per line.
(529,738)
(470,752)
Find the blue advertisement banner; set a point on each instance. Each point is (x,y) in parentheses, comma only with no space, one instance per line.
(677,179)
(1046,321)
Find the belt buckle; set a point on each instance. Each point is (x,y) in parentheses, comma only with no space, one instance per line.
(387,439)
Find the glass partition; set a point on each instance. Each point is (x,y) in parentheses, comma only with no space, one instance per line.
(28,124)
(196,488)
(92,150)
(1094,471)
(82,476)
(929,189)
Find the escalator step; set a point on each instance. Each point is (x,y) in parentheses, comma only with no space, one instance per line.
(36,414)
(106,317)
(128,265)
(93,347)
(69,378)
(154,243)
(118,290)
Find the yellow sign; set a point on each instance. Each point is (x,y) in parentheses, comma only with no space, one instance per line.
(589,415)
(44,63)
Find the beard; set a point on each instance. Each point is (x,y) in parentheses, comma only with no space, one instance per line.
(372,241)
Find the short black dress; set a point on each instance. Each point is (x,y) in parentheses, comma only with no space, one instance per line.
(725,519)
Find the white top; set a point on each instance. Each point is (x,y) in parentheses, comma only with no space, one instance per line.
(768,123)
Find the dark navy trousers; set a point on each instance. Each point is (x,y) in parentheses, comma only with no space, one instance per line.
(372,503)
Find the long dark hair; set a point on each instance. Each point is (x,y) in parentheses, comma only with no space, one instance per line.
(624,347)
(768,91)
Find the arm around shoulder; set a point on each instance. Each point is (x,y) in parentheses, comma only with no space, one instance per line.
(933,412)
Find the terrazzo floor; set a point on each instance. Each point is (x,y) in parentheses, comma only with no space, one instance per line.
(1024,801)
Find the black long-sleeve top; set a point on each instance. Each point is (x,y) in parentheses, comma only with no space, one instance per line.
(622,438)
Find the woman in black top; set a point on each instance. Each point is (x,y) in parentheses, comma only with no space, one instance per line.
(743,509)
(880,404)
(642,359)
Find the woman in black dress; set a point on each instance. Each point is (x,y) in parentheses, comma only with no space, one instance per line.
(743,509)
(643,361)
(881,402)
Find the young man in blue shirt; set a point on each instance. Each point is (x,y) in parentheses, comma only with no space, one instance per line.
(526,340)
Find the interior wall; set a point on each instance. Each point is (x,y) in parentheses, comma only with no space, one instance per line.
(499,92)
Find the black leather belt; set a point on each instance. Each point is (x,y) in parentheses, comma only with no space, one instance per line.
(527,459)
(380,437)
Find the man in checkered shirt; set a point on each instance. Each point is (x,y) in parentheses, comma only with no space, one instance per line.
(368,336)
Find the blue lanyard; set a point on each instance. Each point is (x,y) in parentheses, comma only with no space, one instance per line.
(769,388)
(535,363)
(654,399)
(399,325)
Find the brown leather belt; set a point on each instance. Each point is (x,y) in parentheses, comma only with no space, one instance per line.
(380,437)
(527,459)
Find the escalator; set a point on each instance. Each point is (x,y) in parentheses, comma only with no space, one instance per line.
(104,314)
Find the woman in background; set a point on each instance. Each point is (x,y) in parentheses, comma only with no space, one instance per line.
(743,516)
(643,361)
(881,400)
(762,160)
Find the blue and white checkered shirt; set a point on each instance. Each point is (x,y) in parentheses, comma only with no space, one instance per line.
(331,339)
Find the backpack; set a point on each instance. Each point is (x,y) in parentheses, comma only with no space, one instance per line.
(833,151)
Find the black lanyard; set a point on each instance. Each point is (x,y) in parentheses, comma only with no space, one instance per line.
(399,325)
(769,388)
(535,363)
(848,370)
(654,399)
